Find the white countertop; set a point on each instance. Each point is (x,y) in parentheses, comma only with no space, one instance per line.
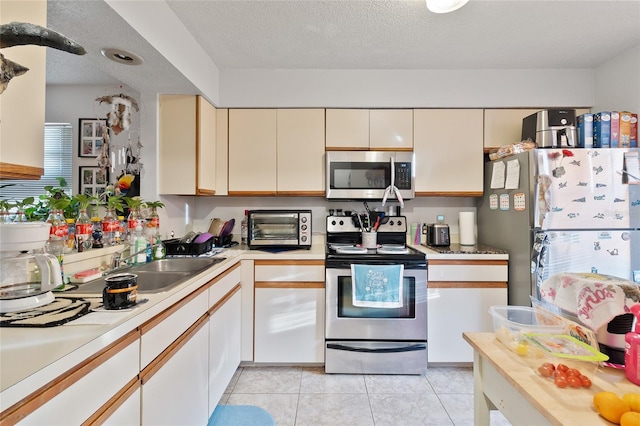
(31,357)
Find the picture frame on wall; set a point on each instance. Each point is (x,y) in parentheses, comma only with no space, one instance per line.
(93,180)
(90,136)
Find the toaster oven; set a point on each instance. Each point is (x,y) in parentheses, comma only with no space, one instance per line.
(279,229)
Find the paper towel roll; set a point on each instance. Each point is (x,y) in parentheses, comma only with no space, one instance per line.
(467,222)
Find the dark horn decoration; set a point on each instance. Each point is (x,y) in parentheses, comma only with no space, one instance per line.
(22,33)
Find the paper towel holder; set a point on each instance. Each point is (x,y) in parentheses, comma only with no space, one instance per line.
(467,228)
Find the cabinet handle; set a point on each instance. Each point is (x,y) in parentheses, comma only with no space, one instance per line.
(418,347)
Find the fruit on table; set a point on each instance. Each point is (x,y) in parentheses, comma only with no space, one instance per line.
(610,406)
(630,418)
(563,376)
(633,399)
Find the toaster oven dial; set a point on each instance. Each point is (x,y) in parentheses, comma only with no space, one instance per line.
(303,227)
(304,238)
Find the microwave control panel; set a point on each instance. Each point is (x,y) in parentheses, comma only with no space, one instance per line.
(403,175)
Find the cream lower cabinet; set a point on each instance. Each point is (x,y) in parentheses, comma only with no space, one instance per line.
(449,158)
(289,311)
(174,388)
(86,392)
(460,293)
(225,332)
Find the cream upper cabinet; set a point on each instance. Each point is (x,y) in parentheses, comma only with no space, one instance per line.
(300,148)
(222,151)
(448,149)
(347,129)
(391,129)
(504,126)
(187,145)
(252,152)
(22,104)
(364,129)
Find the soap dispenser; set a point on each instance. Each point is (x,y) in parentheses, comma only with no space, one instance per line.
(632,349)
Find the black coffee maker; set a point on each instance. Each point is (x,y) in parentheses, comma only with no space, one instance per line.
(551,128)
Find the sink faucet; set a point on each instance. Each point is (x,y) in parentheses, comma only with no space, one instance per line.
(118,259)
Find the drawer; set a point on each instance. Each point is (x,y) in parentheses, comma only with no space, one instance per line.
(289,271)
(468,271)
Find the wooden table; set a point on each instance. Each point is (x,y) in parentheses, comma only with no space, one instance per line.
(510,383)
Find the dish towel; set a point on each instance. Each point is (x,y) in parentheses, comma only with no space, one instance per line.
(594,298)
(377,286)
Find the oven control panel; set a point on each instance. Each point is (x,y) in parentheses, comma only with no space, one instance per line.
(338,224)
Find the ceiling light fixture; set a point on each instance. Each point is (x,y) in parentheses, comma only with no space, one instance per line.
(445,6)
(121,56)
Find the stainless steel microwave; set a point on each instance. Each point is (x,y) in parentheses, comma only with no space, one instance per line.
(279,229)
(365,175)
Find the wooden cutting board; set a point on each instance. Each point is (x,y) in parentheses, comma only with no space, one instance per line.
(216,227)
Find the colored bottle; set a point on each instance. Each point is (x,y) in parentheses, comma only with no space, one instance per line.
(632,349)
(83,231)
(110,225)
(139,246)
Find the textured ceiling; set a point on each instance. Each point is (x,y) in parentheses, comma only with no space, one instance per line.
(349,34)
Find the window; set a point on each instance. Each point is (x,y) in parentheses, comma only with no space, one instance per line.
(58,162)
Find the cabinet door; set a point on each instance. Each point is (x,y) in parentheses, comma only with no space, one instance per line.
(347,129)
(252,152)
(453,311)
(206,148)
(225,331)
(300,152)
(391,129)
(289,323)
(222,151)
(177,145)
(22,104)
(174,391)
(448,152)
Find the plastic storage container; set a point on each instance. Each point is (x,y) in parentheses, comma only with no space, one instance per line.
(511,323)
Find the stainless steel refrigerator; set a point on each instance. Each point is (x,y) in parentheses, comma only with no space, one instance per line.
(562,210)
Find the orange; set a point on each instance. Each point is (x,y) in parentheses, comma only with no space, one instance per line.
(610,406)
(633,399)
(630,418)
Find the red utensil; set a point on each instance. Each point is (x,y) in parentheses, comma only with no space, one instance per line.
(375,227)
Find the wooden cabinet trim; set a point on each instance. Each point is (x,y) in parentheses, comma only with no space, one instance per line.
(17,171)
(294,262)
(205,192)
(154,366)
(359,148)
(252,193)
(37,399)
(458,262)
(102,415)
(223,275)
(224,299)
(291,284)
(301,193)
(150,324)
(466,284)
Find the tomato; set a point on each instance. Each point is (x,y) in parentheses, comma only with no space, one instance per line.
(545,371)
(561,382)
(586,382)
(574,382)
(562,367)
(558,373)
(549,366)
(573,372)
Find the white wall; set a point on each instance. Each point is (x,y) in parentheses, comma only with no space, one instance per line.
(406,88)
(68,104)
(617,83)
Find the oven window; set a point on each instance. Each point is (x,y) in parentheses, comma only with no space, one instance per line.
(348,175)
(274,227)
(347,310)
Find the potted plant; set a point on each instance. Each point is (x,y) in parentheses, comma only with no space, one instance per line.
(83,222)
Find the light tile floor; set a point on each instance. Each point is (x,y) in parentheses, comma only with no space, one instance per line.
(307,396)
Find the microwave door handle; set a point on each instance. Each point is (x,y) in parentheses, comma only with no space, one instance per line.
(389,189)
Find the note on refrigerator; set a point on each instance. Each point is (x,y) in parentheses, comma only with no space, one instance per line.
(497,175)
(513,175)
(632,171)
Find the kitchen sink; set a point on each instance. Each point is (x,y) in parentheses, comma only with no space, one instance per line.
(155,277)
(178,264)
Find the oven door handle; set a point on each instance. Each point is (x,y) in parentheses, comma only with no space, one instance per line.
(417,347)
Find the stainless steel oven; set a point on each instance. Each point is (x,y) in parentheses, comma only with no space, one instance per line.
(367,340)
(269,229)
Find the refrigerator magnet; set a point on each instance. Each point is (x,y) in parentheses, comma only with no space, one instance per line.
(504,201)
(519,202)
(493,202)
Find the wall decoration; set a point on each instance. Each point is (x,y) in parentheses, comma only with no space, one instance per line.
(93,180)
(90,137)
